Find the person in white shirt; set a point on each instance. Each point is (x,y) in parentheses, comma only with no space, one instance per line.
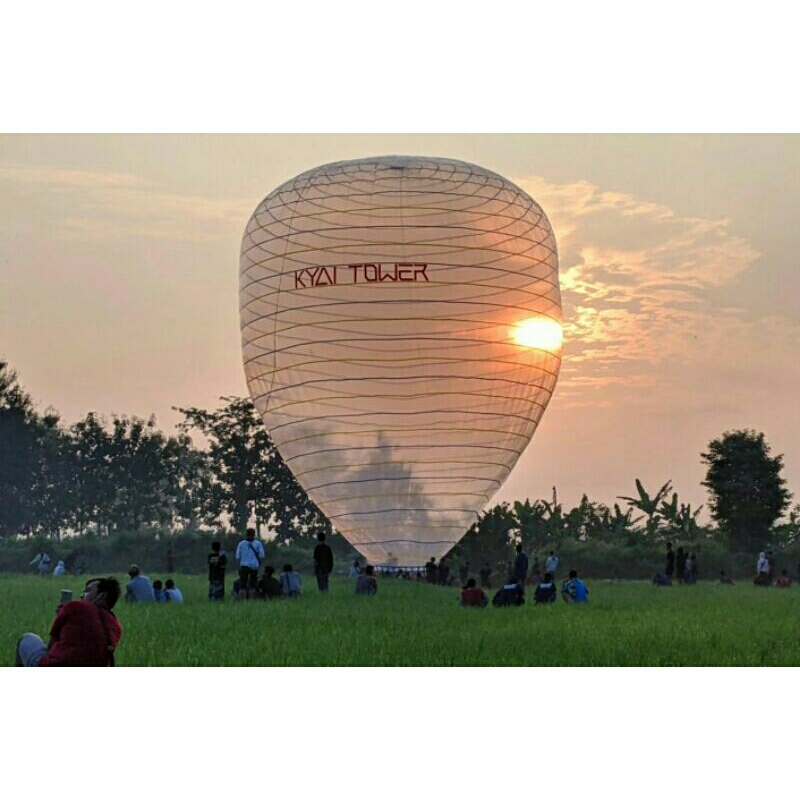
(42,562)
(762,570)
(290,582)
(59,569)
(551,565)
(172,593)
(250,553)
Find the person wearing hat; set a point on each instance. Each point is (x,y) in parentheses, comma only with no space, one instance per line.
(139,589)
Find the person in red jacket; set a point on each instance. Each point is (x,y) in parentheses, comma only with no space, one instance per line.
(473,596)
(84,633)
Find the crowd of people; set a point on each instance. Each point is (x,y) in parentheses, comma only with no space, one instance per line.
(512,591)
(85,632)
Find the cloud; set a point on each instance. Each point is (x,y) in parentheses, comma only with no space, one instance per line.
(96,204)
(640,285)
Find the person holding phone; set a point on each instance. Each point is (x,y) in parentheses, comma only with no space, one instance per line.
(85,632)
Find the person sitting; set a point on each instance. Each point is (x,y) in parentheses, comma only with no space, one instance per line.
(172,594)
(545,591)
(367,583)
(509,594)
(59,569)
(355,570)
(574,590)
(269,587)
(158,592)
(723,578)
(662,579)
(783,581)
(472,596)
(290,582)
(139,589)
(84,633)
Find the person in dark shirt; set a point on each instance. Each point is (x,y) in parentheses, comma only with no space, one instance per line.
(680,564)
(546,591)
(367,583)
(269,587)
(510,594)
(520,566)
(85,632)
(669,563)
(430,570)
(217,561)
(323,562)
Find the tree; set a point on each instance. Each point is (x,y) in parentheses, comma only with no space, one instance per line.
(19,457)
(489,539)
(248,476)
(747,493)
(649,505)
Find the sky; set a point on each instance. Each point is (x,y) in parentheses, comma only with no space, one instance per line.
(119,258)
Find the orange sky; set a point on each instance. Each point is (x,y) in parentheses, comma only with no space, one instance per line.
(119,283)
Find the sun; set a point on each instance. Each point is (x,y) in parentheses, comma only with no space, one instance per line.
(541,333)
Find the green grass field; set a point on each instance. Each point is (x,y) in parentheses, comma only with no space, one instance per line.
(409,624)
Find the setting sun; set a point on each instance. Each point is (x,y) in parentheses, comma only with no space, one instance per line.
(539,332)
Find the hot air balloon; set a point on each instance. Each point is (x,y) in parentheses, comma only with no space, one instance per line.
(401,336)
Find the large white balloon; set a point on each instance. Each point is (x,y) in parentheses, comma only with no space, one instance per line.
(401,334)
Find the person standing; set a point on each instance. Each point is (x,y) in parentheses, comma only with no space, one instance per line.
(323,562)
(84,633)
(669,563)
(42,562)
(520,566)
(680,564)
(217,561)
(249,554)
(551,565)
(431,570)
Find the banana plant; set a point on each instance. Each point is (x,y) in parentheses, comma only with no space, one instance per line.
(649,505)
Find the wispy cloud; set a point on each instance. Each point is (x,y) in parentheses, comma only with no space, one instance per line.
(642,290)
(97,204)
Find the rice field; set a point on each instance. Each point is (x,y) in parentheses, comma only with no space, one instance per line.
(627,623)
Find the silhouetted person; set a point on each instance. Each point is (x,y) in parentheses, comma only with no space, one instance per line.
(323,562)
(485,574)
(431,570)
(509,594)
(546,590)
(269,587)
(520,566)
(444,573)
(669,563)
(217,561)
(680,564)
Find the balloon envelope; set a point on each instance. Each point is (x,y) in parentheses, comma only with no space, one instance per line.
(401,335)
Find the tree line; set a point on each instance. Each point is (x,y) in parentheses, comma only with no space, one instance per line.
(126,476)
